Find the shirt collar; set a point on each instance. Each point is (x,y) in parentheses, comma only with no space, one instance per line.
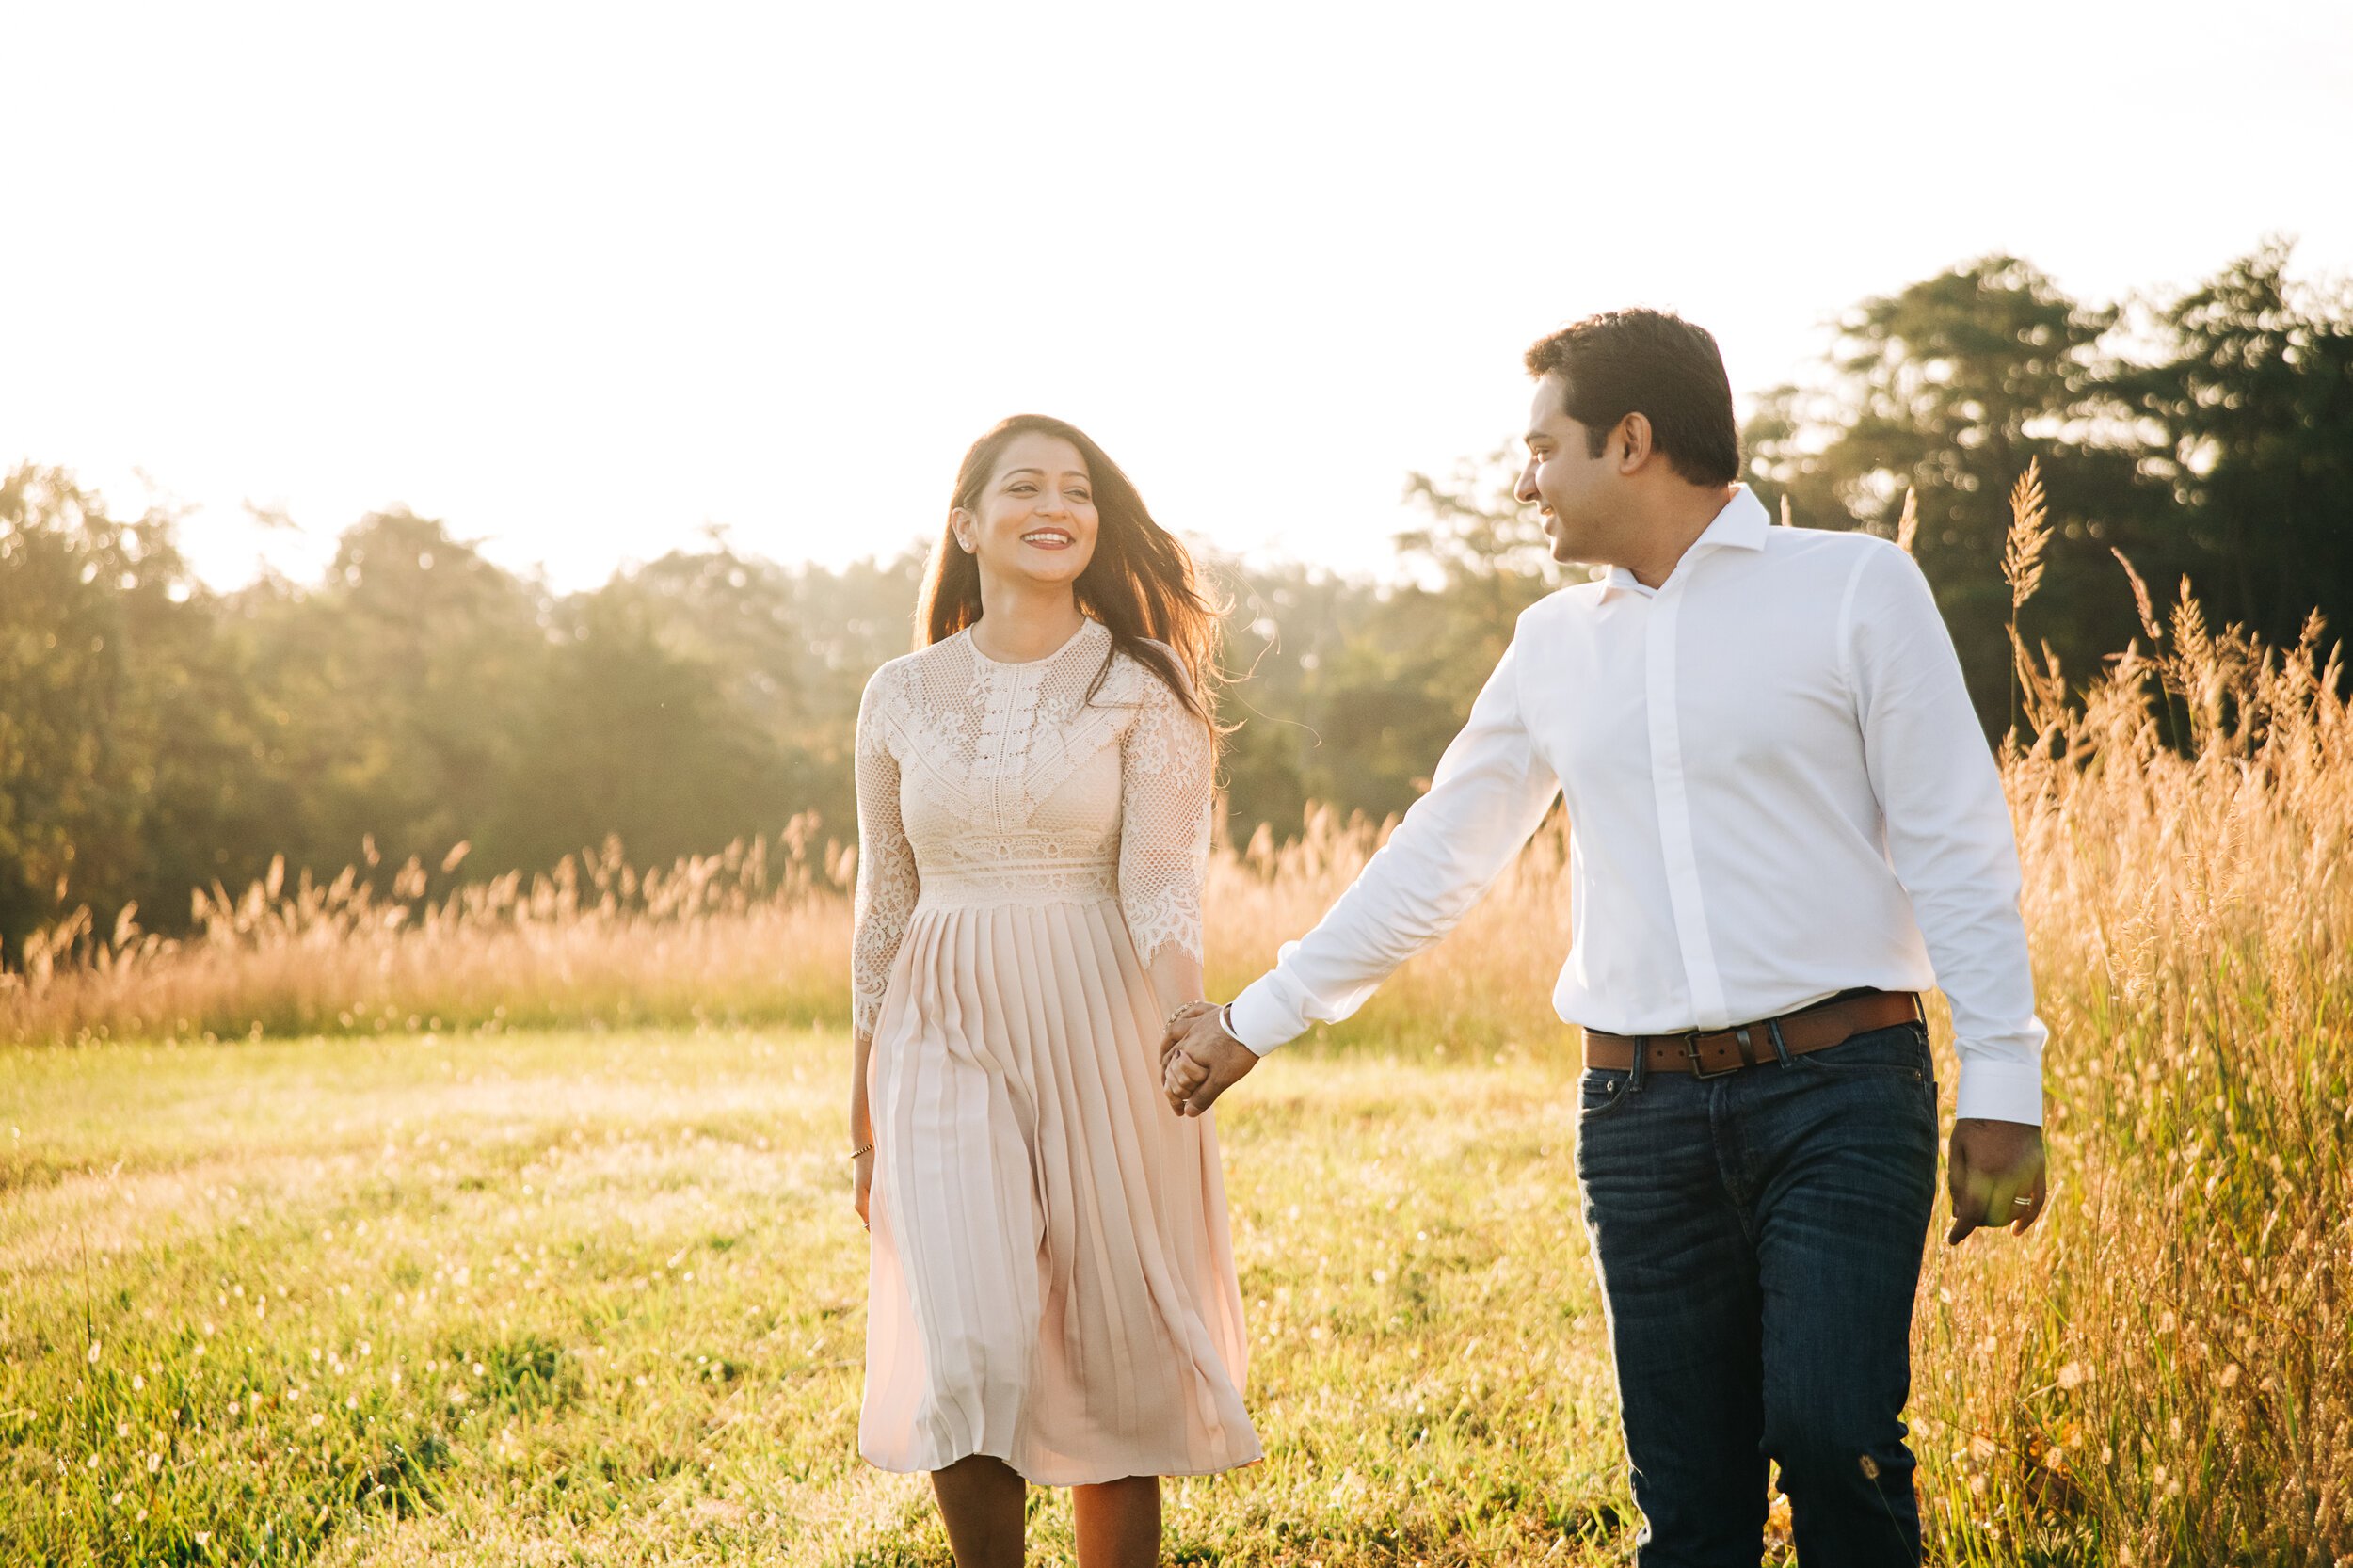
(1741,525)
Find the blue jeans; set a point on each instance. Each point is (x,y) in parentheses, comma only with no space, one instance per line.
(1759,1236)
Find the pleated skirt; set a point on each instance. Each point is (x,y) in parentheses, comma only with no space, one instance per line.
(1052,1278)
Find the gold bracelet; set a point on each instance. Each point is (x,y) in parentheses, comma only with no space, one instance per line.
(868,1149)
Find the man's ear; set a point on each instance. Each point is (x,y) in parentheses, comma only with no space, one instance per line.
(1631,442)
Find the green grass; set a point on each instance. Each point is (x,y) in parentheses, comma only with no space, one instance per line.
(572,1298)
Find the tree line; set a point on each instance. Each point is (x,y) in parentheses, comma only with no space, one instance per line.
(418,700)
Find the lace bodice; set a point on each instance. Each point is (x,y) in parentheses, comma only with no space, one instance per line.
(981,782)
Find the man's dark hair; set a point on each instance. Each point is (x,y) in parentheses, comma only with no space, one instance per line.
(1660,366)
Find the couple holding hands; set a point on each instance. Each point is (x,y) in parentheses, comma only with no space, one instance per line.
(1784,824)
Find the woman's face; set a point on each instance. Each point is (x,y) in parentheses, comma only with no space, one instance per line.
(1036,519)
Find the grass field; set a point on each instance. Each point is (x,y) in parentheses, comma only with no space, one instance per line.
(563,1298)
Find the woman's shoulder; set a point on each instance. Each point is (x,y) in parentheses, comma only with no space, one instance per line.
(1134,677)
(902,679)
(1152,686)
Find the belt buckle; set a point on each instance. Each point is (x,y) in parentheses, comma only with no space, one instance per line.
(1691,1053)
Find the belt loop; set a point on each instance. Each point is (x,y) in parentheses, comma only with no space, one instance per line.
(1781,1047)
(1642,1064)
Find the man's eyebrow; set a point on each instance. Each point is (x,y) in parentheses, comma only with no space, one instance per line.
(1535,435)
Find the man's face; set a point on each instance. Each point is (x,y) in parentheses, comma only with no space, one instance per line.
(1576,492)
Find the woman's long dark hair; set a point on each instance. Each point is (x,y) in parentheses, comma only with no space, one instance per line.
(1139,583)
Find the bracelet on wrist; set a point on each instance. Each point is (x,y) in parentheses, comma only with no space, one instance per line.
(868,1149)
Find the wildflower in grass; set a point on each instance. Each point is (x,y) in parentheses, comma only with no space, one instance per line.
(94,1347)
(2072,1375)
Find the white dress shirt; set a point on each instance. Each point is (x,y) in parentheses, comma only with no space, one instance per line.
(1776,791)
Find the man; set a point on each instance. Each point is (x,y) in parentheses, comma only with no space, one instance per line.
(1784,824)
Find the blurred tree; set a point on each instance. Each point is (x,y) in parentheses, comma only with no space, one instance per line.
(629,737)
(2255,406)
(1949,388)
(408,681)
(126,723)
(791,650)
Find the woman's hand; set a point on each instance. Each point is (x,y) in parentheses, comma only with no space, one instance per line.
(862,1183)
(1200,1060)
(1175,1026)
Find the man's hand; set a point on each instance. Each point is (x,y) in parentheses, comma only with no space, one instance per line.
(1199,1061)
(1995,1173)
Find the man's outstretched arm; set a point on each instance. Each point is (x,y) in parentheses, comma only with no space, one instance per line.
(1489,792)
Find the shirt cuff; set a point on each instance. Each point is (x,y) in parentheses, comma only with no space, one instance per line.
(2000,1092)
(1262,1018)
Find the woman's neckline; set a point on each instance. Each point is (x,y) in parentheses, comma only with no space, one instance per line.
(1086,625)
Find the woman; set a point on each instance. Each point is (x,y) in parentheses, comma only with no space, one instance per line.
(1052,1292)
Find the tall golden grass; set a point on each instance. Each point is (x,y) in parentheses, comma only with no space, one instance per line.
(758,930)
(2159,1373)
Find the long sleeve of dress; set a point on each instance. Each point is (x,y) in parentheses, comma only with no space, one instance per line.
(1166,762)
(886,880)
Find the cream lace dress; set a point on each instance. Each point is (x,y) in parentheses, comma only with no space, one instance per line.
(1052,1281)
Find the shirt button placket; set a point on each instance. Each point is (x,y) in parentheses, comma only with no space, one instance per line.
(1672,799)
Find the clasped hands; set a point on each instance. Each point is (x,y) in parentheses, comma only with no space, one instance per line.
(1199,1061)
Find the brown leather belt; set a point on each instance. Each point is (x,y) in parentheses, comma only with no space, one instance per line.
(1715,1053)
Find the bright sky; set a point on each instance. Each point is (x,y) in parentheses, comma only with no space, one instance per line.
(584,280)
